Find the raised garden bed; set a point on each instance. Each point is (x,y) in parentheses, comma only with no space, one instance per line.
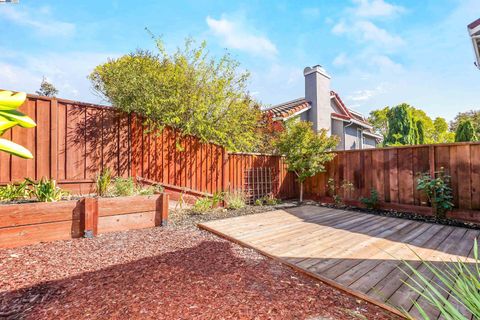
(29,223)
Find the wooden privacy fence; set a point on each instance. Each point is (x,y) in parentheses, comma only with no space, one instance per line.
(74,141)
(393,173)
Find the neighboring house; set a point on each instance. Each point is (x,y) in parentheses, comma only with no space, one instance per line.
(474,31)
(325,110)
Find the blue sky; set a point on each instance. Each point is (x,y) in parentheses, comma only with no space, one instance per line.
(378,52)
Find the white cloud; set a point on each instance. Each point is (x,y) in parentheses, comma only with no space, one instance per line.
(365,94)
(376,8)
(370,32)
(367,31)
(41,22)
(236,35)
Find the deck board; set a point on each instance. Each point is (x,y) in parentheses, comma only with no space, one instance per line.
(357,252)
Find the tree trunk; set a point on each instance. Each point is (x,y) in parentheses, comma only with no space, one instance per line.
(301,191)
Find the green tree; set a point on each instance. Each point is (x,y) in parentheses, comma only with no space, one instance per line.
(305,151)
(441,133)
(428,129)
(473,116)
(47,89)
(187,90)
(401,126)
(465,132)
(420,132)
(379,121)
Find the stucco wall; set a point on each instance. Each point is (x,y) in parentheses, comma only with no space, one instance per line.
(351,138)
(337,129)
(369,142)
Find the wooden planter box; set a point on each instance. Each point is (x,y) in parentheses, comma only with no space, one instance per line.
(29,223)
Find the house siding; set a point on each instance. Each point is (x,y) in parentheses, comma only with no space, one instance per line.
(369,142)
(352,140)
(337,129)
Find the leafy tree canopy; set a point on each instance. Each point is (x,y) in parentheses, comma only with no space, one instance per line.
(421,128)
(187,90)
(465,132)
(473,116)
(47,89)
(306,151)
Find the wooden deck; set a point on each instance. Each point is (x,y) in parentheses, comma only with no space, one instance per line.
(353,251)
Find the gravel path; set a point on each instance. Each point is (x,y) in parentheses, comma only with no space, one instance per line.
(162,273)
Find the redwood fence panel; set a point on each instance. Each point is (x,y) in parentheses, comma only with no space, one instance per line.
(74,141)
(393,172)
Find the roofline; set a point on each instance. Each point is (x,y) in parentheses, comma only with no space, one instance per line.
(294,114)
(284,103)
(373,135)
(474,27)
(352,120)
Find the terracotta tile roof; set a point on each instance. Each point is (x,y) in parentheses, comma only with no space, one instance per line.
(287,109)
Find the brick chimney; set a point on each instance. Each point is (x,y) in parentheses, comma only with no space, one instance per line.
(317,91)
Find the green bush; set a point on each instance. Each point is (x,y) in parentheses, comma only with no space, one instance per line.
(259,202)
(438,191)
(46,190)
(12,192)
(372,201)
(235,199)
(123,187)
(202,205)
(103,182)
(460,279)
(217,198)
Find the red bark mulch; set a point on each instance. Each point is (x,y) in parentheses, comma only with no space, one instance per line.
(163,273)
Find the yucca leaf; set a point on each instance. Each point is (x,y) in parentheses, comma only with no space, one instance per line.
(20,118)
(10,100)
(6,124)
(15,149)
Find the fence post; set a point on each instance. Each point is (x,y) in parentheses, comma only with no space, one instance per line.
(431,159)
(161,210)
(54,139)
(89,217)
(225,170)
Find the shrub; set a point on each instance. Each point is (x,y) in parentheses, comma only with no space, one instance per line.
(217,198)
(372,201)
(460,279)
(202,205)
(46,190)
(123,187)
(12,192)
(259,202)
(270,200)
(103,182)
(438,191)
(235,199)
(333,189)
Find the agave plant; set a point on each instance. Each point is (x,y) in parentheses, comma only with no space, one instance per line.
(10,117)
(458,278)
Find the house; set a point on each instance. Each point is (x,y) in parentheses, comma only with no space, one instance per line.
(326,110)
(474,31)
